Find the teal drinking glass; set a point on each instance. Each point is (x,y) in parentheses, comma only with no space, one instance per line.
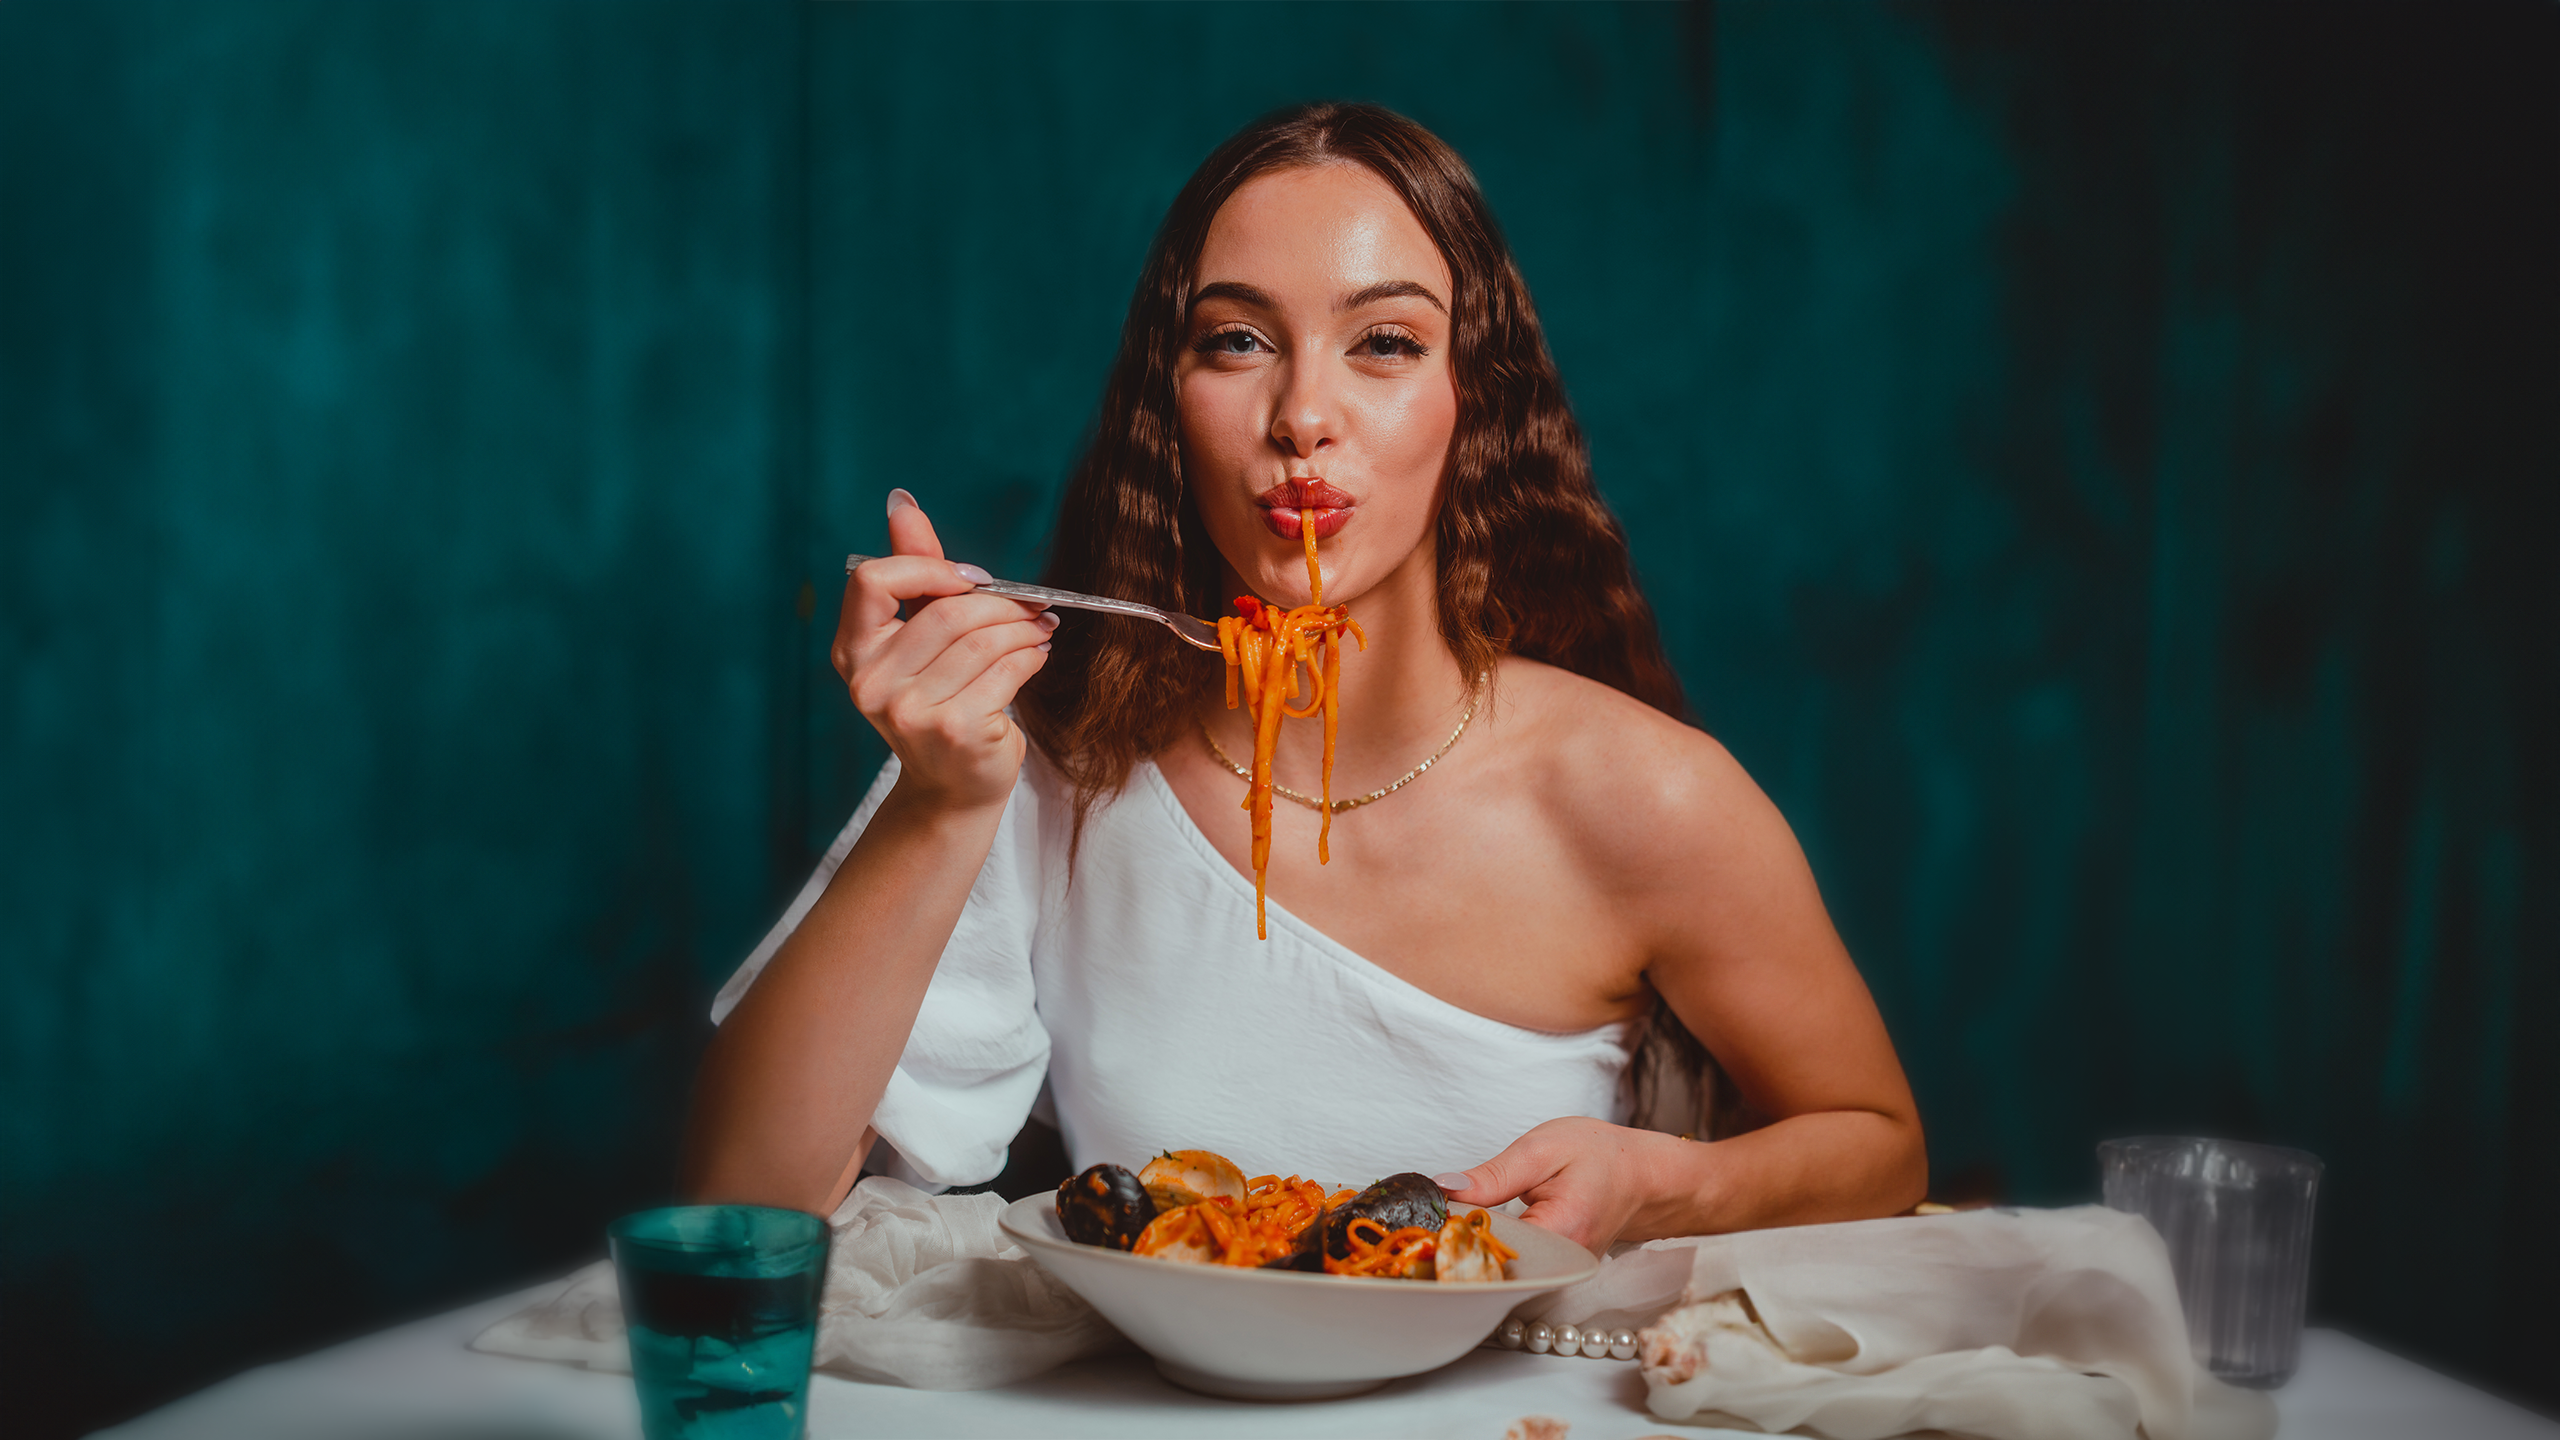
(721,1302)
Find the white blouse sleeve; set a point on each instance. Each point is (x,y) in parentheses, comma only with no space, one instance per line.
(976,1059)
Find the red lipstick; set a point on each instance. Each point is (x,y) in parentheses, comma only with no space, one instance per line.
(1282,502)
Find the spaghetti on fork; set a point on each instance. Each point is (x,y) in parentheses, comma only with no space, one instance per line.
(1265,648)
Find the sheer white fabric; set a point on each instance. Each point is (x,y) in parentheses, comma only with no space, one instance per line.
(1158,1021)
(2006,1324)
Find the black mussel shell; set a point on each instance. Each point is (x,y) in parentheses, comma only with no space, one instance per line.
(1395,1202)
(1105,1206)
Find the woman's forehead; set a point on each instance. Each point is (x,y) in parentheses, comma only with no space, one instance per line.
(1316,236)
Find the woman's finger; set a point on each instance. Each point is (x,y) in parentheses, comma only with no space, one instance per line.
(958,703)
(910,533)
(995,688)
(913,645)
(1522,1166)
(957,666)
(873,594)
(1568,1217)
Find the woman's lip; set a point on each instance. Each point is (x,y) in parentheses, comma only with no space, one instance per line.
(1329,521)
(1306,493)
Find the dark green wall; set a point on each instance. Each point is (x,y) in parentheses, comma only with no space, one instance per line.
(396,403)
(2096,465)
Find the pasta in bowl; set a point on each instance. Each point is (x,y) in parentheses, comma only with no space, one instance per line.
(1228,1302)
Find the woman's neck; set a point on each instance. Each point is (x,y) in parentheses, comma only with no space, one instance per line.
(1399,696)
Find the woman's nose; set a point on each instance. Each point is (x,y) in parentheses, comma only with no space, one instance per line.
(1306,419)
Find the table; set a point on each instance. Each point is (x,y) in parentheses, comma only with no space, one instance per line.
(417,1382)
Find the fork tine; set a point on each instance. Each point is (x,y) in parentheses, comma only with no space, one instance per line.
(1192,630)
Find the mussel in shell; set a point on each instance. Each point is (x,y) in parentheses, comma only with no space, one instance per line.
(1187,1177)
(1395,1202)
(1105,1206)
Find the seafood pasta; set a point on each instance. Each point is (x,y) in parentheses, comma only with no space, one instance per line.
(1196,1207)
(1265,646)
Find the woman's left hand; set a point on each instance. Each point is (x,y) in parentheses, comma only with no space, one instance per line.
(1587,1180)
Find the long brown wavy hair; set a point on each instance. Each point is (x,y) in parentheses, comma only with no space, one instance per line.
(1531,562)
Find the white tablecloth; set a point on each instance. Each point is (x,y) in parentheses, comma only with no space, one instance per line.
(417,1382)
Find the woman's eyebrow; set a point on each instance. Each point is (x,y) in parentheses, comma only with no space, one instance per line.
(1235,290)
(1391,290)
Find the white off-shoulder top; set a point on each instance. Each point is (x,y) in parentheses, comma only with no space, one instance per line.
(1137,1002)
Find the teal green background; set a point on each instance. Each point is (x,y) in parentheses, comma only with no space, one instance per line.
(2096,466)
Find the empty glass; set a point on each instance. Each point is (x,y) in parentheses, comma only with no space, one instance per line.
(2237,1220)
(721,1302)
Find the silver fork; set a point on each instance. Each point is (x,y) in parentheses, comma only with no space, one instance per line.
(1188,629)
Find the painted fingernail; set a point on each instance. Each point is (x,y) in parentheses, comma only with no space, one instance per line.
(1454,1180)
(900,500)
(1046,619)
(1044,647)
(972,574)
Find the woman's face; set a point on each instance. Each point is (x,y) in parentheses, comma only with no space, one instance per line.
(1315,375)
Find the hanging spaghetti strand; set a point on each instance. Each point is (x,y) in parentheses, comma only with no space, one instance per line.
(1265,647)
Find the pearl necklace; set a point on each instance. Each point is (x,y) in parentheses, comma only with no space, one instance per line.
(1313,802)
(1540,1338)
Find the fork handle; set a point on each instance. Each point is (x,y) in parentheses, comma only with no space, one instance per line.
(1043,595)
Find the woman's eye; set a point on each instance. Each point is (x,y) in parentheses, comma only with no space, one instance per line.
(1388,345)
(1226,342)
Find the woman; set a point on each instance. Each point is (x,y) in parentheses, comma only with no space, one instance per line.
(1051,879)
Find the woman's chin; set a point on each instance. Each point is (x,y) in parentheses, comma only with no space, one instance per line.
(1287,585)
(1282,584)
(1277,574)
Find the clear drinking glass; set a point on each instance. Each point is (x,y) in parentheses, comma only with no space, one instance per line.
(721,1302)
(2237,1219)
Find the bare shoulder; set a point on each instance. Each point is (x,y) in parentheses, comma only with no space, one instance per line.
(1649,799)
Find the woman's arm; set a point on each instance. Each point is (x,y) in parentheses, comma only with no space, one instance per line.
(782,1107)
(1743,951)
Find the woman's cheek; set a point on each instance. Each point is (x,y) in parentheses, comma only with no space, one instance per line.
(1218,425)
(1416,418)
(1415,431)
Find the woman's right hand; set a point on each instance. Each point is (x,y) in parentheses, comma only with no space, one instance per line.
(936,684)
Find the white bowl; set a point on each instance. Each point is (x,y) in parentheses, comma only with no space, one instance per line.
(1287,1335)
